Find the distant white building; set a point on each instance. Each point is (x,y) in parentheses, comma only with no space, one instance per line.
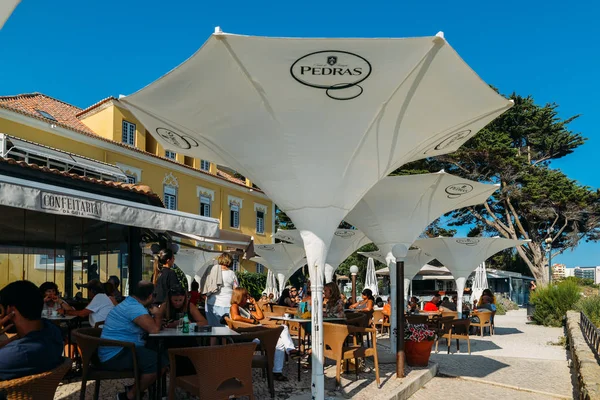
(569,272)
(558,272)
(588,273)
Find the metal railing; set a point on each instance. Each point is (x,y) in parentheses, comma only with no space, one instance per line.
(590,332)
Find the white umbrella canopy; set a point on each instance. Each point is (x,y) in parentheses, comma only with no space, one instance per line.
(344,243)
(333,115)
(281,258)
(371,278)
(398,208)
(6,9)
(193,262)
(462,255)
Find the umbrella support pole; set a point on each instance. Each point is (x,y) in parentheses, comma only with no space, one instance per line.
(399,319)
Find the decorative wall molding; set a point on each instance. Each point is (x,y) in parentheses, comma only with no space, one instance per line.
(235,200)
(131,171)
(170,180)
(202,191)
(261,207)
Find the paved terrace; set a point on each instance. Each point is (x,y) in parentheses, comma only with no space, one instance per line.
(518,362)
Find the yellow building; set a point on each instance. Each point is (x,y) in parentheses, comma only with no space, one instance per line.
(108,132)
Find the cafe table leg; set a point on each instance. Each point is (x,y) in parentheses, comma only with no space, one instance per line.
(158,393)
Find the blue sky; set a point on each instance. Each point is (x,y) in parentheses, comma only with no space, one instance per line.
(83,51)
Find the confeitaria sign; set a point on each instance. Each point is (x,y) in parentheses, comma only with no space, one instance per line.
(70,205)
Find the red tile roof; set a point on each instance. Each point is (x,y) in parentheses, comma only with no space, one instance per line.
(66,116)
(136,188)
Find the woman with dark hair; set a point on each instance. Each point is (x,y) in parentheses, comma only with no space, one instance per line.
(285,299)
(367,302)
(240,302)
(176,305)
(335,305)
(52,303)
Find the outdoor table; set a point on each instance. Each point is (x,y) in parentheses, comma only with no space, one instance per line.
(69,320)
(216,331)
(301,323)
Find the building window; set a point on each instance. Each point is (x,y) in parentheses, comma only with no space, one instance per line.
(236,263)
(131,179)
(204,165)
(234,216)
(260,269)
(170,154)
(170,198)
(128,133)
(205,206)
(260,222)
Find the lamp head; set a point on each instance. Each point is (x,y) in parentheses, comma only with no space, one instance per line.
(354,270)
(400,250)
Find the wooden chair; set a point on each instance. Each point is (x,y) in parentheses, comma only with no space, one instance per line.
(221,371)
(88,340)
(335,348)
(443,332)
(450,314)
(268,338)
(379,320)
(35,387)
(280,310)
(485,321)
(417,319)
(460,331)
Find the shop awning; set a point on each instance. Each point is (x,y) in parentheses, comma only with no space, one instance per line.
(36,196)
(225,238)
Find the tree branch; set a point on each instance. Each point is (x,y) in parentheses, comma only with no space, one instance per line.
(517,220)
(496,219)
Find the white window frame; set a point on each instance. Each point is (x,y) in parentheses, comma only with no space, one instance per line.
(234,216)
(170,192)
(260,268)
(205,165)
(131,179)
(128,133)
(205,206)
(260,222)
(171,155)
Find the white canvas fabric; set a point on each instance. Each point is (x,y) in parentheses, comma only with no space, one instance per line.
(480,282)
(6,9)
(371,278)
(282,258)
(271,286)
(41,197)
(344,243)
(333,115)
(397,210)
(193,262)
(462,255)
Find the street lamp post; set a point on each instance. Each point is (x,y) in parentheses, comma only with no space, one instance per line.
(549,246)
(353,272)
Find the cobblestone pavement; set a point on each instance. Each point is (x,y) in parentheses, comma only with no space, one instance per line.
(520,354)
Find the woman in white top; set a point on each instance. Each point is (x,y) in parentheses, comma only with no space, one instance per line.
(218,303)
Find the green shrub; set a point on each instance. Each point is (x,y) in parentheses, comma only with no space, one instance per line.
(552,302)
(500,309)
(591,308)
(254,283)
(503,305)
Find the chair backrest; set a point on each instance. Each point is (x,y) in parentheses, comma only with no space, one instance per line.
(268,338)
(460,328)
(222,371)
(238,324)
(377,316)
(450,314)
(484,317)
(279,310)
(35,387)
(334,336)
(417,319)
(88,340)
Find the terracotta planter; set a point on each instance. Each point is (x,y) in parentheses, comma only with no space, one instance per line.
(417,353)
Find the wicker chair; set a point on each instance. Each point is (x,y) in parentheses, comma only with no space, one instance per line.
(460,331)
(35,387)
(280,310)
(268,342)
(485,321)
(88,340)
(335,348)
(417,319)
(444,331)
(222,371)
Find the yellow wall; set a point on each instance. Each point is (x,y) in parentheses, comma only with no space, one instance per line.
(153,174)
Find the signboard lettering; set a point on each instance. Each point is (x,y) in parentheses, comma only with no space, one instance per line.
(69,205)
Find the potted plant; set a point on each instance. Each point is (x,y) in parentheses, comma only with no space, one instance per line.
(418,339)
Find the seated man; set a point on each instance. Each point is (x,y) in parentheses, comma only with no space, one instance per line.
(37,346)
(99,307)
(129,322)
(432,305)
(447,305)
